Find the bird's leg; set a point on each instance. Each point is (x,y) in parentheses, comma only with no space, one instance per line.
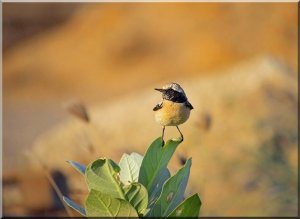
(162,136)
(180,133)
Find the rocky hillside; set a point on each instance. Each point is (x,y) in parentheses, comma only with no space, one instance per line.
(103,45)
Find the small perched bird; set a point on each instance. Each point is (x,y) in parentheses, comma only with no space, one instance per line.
(174,109)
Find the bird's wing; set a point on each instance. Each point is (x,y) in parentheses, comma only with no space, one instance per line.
(189,105)
(158,106)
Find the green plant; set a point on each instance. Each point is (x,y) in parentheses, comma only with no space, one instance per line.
(137,187)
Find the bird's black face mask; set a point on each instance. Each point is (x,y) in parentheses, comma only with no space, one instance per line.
(172,95)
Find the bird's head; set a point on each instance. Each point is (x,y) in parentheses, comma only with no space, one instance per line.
(173,92)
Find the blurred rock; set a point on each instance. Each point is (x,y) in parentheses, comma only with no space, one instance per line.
(227,160)
(108,49)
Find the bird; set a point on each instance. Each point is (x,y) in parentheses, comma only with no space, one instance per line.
(174,109)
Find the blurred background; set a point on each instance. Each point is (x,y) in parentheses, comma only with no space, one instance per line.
(66,62)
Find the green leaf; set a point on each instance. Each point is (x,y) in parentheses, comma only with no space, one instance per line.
(156,159)
(137,195)
(137,158)
(161,178)
(79,167)
(103,205)
(130,165)
(190,207)
(75,206)
(172,192)
(102,175)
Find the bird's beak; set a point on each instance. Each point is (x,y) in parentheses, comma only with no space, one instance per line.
(159,89)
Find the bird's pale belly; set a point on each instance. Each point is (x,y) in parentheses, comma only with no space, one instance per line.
(172,114)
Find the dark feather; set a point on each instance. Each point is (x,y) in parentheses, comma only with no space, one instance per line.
(189,105)
(158,106)
(174,96)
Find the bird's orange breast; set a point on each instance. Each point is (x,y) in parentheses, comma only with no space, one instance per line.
(172,114)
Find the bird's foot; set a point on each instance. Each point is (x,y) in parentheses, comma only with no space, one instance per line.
(162,143)
(181,138)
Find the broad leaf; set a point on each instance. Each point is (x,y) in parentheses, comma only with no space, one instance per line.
(79,167)
(102,175)
(190,207)
(137,195)
(130,165)
(156,159)
(172,192)
(156,188)
(75,206)
(137,158)
(103,205)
